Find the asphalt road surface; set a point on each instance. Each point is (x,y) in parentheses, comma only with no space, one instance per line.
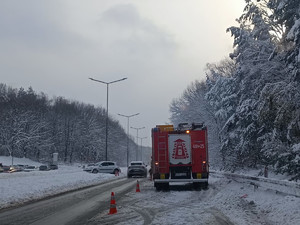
(75,207)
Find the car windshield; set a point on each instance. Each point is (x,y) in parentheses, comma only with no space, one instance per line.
(136,164)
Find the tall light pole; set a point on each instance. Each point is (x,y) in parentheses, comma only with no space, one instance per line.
(137,138)
(128,133)
(106,131)
(142,147)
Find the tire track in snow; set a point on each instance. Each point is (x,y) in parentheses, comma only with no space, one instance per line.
(133,210)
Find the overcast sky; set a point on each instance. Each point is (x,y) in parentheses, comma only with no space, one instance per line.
(161,46)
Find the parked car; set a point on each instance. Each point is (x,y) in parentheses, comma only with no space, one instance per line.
(29,168)
(16,168)
(53,167)
(137,168)
(44,167)
(103,167)
(5,168)
(88,167)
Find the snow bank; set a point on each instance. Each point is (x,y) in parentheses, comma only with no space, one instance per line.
(20,187)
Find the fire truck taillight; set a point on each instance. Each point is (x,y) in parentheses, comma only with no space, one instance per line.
(156,163)
(187,132)
(204,166)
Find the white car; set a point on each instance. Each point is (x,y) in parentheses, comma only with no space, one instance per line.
(137,168)
(103,167)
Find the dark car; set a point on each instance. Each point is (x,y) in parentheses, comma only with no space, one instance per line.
(44,168)
(137,168)
(6,168)
(29,168)
(53,167)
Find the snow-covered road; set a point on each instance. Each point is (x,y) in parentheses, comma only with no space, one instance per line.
(225,202)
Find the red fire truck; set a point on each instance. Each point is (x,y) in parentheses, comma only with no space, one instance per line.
(179,155)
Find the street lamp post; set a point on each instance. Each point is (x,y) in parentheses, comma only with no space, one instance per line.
(137,138)
(106,130)
(142,147)
(128,133)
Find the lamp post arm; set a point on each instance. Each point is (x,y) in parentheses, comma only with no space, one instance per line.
(98,80)
(117,80)
(128,116)
(107,82)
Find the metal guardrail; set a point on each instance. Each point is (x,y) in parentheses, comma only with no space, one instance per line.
(284,183)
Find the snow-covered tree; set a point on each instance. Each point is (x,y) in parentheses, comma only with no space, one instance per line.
(287,14)
(33,126)
(191,107)
(256,102)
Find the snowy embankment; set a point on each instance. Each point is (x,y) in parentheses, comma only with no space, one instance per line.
(20,187)
(284,186)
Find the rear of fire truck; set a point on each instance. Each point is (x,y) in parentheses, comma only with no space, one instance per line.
(179,155)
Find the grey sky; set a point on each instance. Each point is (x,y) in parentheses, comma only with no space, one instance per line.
(160,45)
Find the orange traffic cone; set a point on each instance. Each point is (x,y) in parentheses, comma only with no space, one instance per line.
(137,187)
(113,208)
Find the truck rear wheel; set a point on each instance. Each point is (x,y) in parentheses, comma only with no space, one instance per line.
(166,186)
(197,186)
(158,187)
(161,186)
(205,185)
